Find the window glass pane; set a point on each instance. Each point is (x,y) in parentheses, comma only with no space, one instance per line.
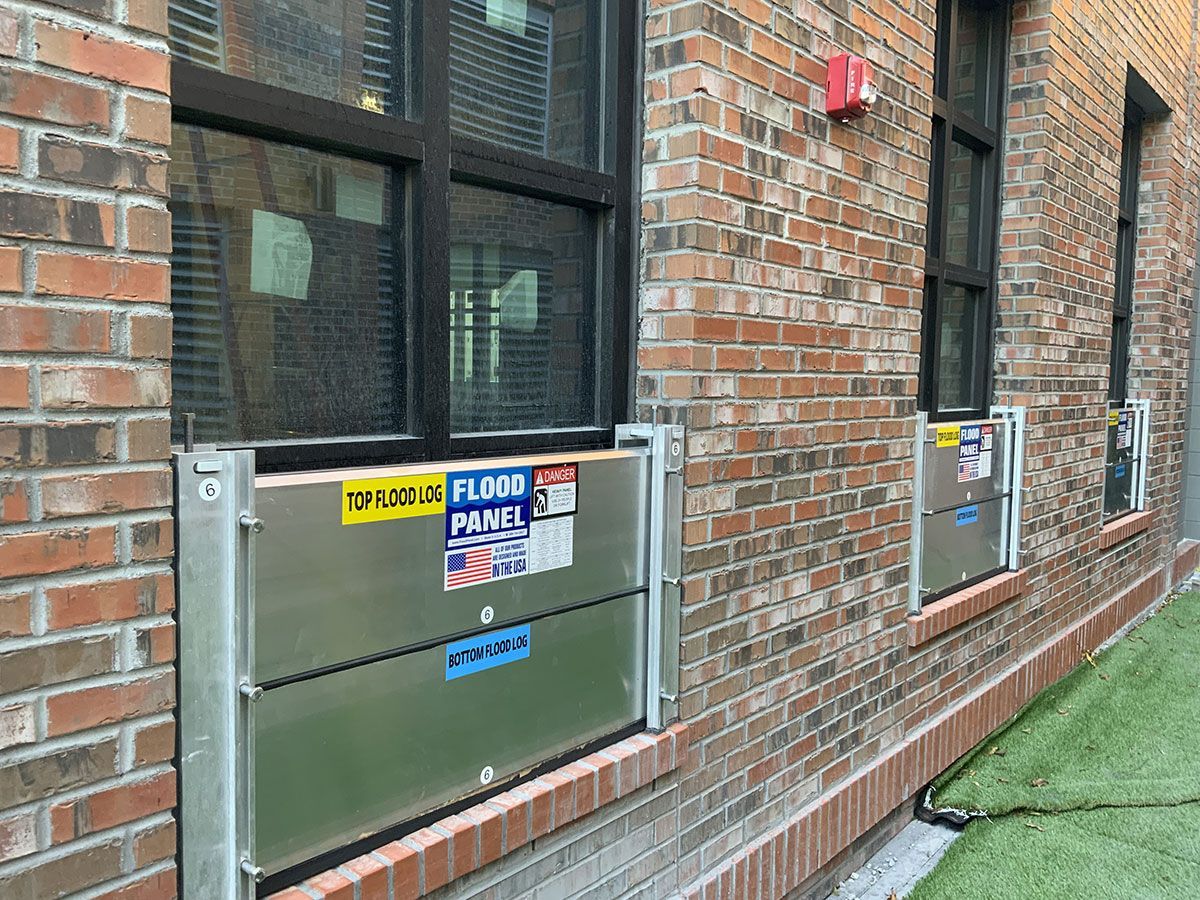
(285,289)
(973,63)
(522,313)
(527,75)
(964,200)
(353,51)
(959,338)
(1118,359)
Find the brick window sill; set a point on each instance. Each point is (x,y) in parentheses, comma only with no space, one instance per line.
(454,846)
(1124,528)
(962,606)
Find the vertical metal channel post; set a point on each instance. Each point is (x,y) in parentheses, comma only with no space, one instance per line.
(664,563)
(1016,474)
(916,540)
(1141,443)
(215,526)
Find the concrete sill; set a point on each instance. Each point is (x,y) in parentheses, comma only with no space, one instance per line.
(961,606)
(1124,528)
(454,846)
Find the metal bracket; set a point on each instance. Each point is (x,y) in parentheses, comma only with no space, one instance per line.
(666,444)
(1015,480)
(215,590)
(917,519)
(1142,443)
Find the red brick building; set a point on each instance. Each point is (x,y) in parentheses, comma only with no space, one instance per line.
(1013,224)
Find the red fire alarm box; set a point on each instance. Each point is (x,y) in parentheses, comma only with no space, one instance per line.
(849,88)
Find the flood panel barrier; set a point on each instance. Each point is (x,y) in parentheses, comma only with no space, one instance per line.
(362,648)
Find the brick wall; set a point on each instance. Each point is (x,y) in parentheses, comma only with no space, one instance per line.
(780,321)
(781,303)
(86,640)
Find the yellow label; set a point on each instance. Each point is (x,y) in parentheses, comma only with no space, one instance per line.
(1113,418)
(947,437)
(381,499)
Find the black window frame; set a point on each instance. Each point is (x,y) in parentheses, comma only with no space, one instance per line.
(951,125)
(424,158)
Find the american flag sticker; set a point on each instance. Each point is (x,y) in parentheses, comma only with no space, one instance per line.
(466,567)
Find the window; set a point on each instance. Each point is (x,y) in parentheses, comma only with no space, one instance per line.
(402,231)
(1126,250)
(960,281)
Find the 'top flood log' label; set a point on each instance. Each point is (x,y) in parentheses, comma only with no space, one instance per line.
(381,499)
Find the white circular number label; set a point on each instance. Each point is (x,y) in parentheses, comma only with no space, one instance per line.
(210,489)
(486,615)
(675,448)
(486,776)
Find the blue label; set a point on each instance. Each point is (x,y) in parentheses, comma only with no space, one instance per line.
(486,651)
(966,515)
(1120,473)
(486,507)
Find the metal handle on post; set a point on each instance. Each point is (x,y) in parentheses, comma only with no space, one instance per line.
(251,692)
(255,872)
(252,523)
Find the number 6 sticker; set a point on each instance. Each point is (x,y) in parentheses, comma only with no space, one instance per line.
(210,489)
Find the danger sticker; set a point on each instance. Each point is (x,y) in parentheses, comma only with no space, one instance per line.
(947,437)
(555,490)
(382,499)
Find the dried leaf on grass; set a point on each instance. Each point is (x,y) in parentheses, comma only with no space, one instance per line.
(1038,782)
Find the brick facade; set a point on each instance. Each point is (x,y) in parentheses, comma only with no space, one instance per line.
(86,593)
(781,313)
(780,321)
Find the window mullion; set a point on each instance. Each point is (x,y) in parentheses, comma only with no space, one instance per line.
(628,143)
(432,235)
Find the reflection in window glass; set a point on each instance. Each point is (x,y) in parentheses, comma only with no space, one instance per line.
(351,51)
(526,75)
(964,202)
(957,348)
(972,65)
(522,313)
(284,290)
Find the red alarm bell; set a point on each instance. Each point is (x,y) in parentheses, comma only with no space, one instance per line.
(849,88)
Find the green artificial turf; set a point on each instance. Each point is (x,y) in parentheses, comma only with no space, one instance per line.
(1102,854)
(1122,732)
(1094,790)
